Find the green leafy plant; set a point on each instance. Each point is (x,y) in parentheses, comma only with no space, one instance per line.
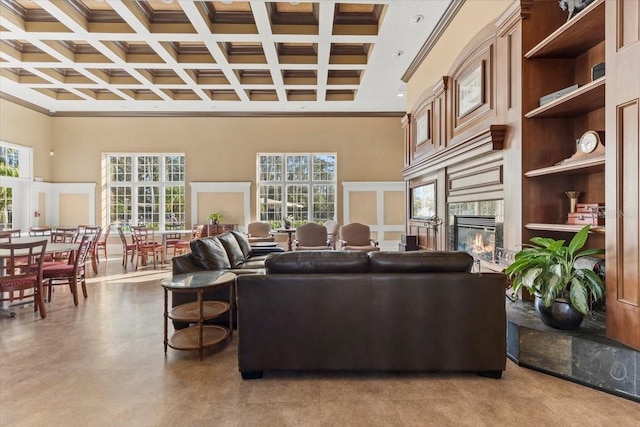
(546,268)
(215,216)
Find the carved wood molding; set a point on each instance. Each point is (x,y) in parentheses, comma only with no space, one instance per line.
(525,8)
(489,140)
(498,133)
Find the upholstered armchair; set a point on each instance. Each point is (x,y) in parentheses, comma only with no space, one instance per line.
(357,237)
(259,232)
(332,232)
(311,237)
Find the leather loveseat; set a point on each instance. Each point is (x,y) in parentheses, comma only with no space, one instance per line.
(395,311)
(227,251)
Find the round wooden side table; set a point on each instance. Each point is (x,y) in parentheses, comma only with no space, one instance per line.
(198,336)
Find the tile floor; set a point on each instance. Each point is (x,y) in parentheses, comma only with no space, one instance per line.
(102,364)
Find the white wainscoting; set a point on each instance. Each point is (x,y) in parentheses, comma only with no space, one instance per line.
(52,193)
(222,187)
(379,227)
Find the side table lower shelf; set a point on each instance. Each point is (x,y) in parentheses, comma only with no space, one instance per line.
(188,338)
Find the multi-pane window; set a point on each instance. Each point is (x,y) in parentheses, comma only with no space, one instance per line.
(9,168)
(302,186)
(9,162)
(146,189)
(6,208)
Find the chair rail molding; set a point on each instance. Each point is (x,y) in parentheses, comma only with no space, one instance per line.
(379,188)
(222,187)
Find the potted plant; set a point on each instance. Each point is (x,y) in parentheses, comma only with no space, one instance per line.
(287,222)
(546,268)
(215,217)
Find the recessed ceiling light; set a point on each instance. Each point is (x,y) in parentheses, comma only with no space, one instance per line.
(226,1)
(398,53)
(294,3)
(417,18)
(167,1)
(400,94)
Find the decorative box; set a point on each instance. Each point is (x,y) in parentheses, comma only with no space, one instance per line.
(584,218)
(589,207)
(597,71)
(555,95)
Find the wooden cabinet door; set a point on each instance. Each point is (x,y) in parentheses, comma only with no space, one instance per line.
(622,172)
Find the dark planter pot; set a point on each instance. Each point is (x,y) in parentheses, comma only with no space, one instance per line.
(561,315)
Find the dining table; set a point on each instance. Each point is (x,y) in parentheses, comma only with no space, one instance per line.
(51,248)
(164,234)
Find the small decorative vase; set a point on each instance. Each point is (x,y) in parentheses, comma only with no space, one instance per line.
(286,223)
(573,199)
(561,315)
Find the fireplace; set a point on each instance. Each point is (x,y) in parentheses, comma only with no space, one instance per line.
(477,227)
(476,235)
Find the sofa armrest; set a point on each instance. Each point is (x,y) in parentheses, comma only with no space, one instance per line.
(184,264)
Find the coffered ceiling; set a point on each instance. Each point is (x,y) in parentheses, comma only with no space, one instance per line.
(195,56)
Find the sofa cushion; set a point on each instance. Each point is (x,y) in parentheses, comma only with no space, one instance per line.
(210,254)
(243,242)
(231,245)
(420,262)
(317,262)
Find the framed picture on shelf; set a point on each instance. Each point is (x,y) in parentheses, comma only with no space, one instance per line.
(470,90)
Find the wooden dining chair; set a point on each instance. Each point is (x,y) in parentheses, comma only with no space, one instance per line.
(62,235)
(174,241)
(127,248)
(5,236)
(39,231)
(94,232)
(101,244)
(71,272)
(146,246)
(22,272)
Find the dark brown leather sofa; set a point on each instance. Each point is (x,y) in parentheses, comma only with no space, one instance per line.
(397,311)
(227,251)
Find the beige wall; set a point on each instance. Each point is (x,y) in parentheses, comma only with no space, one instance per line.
(73,210)
(224,149)
(22,126)
(471,18)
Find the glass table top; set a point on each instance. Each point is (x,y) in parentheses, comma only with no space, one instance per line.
(200,279)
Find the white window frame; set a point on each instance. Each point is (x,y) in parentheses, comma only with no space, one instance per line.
(134,184)
(20,185)
(284,184)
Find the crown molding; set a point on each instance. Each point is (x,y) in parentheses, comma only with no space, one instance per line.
(25,104)
(435,35)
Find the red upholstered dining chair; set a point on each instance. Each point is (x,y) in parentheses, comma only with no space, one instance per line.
(39,231)
(311,236)
(146,245)
(94,232)
(357,237)
(101,244)
(5,236)
(173,240)
(127,248)
(71,272)
(62,235)
(22,271)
